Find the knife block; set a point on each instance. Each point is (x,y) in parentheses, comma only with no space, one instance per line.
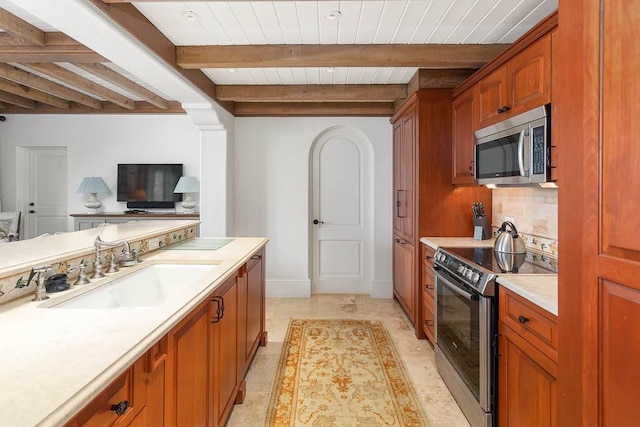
(481,228)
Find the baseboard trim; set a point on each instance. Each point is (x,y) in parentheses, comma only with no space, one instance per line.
(381,289)
(288,288)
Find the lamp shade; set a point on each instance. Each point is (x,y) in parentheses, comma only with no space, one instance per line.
(93,184)
(187,184)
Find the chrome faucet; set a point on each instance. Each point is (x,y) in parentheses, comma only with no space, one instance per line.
(128,258)
(41,290)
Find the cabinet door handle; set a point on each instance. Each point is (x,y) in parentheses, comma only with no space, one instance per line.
(219,308)
(426,322)
(523,319)
(504,109)
(471,167)
(120,408)
(399,204)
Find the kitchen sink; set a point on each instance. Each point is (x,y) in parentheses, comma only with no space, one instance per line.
(148,287)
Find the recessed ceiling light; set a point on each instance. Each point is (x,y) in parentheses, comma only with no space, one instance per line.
(190,15)
(333,15)
(232,70)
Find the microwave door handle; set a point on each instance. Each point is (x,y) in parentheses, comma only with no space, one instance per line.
(521,153)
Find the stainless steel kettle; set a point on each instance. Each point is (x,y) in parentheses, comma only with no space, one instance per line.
(508,241)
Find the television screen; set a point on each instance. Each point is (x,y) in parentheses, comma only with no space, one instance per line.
(148,182)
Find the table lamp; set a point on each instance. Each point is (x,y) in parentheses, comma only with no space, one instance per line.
(93,185)
(188,185)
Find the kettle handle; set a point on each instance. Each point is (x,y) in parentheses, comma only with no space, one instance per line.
(504,225)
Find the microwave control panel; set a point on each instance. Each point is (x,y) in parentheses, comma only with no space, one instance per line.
(539,149)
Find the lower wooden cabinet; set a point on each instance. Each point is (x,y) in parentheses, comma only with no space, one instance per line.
(195,374)
(118,404)
(427,283)
(223,336)
(528,364)
(403,276)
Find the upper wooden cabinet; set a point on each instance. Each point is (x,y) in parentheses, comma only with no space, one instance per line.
(464,123)
(523,83)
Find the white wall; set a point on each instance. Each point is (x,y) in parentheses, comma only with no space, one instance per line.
(272,195)
(95,145)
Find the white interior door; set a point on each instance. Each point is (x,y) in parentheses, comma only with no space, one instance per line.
(46,198)
(340,205)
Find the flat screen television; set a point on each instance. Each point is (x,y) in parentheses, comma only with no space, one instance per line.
(149,185)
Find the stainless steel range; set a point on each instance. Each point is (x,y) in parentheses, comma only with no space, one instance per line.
(467,319)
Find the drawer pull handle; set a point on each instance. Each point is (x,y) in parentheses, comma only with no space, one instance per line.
(256,257)
(428,257)
(120,408)
(427,323)
(428,286)
(523,319)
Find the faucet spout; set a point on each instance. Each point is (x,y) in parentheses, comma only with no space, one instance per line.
(128,257)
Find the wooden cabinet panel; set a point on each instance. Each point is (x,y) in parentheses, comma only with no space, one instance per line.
(491,94)
(527,383)
(523,83)
(224,356)
(462,135)
(620,346)
(598,170)
(530,321)
(427,281)
(187,389)
(155,383)
(128,391)
(403,276)
(398,220)
(529,77)
(254,325)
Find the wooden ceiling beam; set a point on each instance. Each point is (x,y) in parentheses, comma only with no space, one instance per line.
(136,24)
(20,28)
(10,98)
(58,47)
(311,93)
(142,107)
(438,78)
(37,82)
(82,83)
(34,94)
(107,74)
(308,109)
(342,55)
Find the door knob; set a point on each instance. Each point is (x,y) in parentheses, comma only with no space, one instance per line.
(32,211)
(32,204)
(316,222)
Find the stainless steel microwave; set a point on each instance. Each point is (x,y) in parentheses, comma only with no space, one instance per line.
(516,151)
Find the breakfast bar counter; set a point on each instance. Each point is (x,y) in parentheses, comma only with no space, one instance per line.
(55,360)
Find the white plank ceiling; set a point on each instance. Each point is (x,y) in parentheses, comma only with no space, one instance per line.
(360,22)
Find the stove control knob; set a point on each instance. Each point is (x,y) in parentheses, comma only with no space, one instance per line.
(461,269)
(468,273)
(475,277)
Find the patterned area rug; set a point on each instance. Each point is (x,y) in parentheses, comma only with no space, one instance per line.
(338,373)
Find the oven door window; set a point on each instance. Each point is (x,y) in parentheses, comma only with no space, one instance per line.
(458,332)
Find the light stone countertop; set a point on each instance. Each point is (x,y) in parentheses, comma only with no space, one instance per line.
(541,290)
(54,360)
(456,242)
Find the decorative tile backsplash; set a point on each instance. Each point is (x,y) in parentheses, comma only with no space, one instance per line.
(534,212)
(16,286)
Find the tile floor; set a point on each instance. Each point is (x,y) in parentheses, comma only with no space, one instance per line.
(417,355)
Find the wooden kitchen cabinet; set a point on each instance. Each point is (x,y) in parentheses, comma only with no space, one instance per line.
(598,290)
(403,276)
(251,316)
(223,335)
(528,363)
(464,123)
(117,405)
(523,83)
(187,385)
(425,201)
(428,289)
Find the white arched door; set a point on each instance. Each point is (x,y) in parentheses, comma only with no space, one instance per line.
(341,212)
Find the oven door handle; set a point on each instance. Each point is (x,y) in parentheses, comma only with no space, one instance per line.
(452,287)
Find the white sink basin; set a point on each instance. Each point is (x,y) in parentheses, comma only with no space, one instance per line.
(148,287)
